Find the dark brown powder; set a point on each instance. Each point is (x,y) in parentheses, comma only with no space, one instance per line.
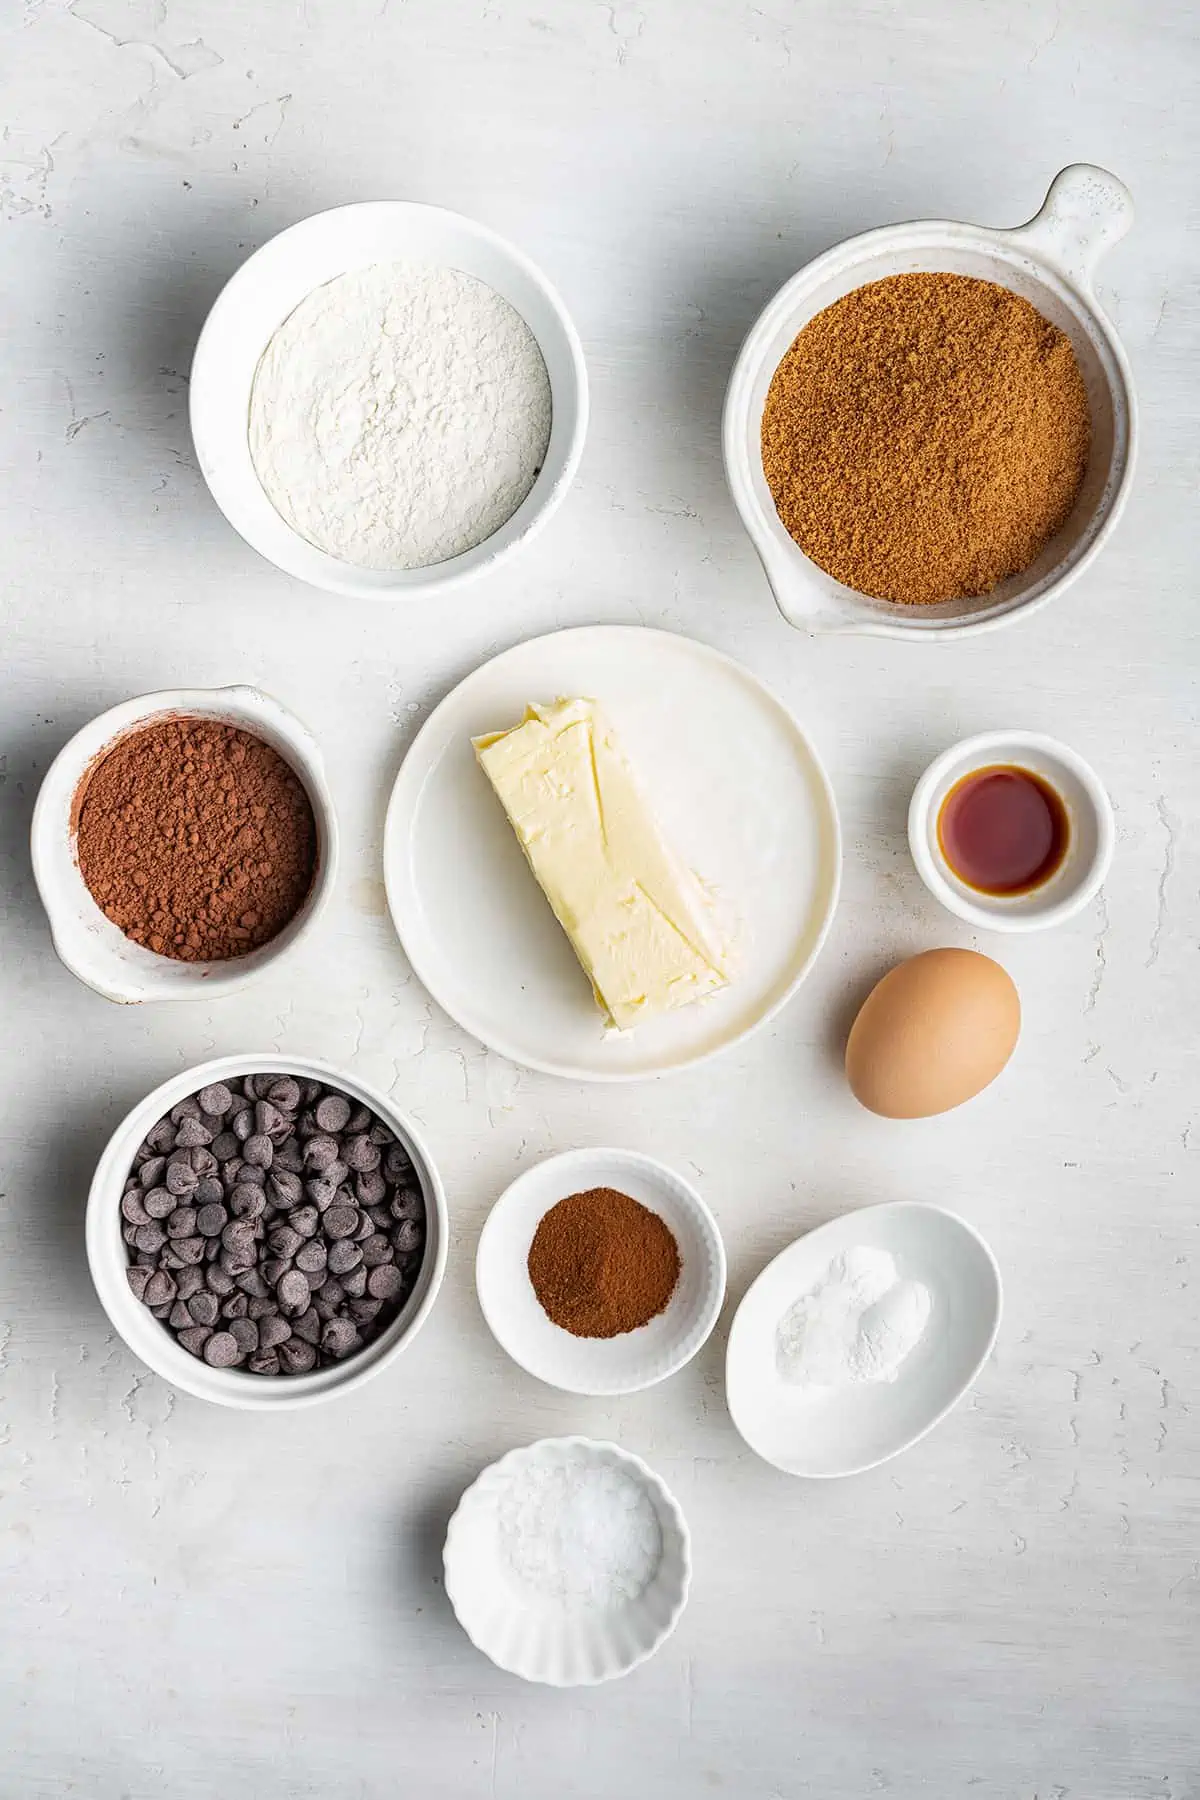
(926,436)
(601,1263)
(195,838)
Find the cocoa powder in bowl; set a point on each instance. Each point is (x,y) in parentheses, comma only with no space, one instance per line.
(195,838)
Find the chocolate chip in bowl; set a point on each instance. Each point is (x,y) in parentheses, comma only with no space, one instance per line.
(264,1234)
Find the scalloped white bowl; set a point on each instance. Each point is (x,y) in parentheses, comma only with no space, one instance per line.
(599,1366)
(548,1640)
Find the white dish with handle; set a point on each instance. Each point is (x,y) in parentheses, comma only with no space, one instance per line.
(85,939)
(1051,262)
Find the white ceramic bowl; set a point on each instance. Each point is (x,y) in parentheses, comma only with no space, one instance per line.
(272,283)
(1090,826)
(150,1340)
(90,945)
(635,1359)
(1051,261)
(854,1428)
(547,1640)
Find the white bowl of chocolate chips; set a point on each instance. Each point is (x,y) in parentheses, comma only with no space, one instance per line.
(266,1231)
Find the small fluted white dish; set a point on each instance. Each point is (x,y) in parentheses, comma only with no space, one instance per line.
(549,1640)
(634,1359)
(850,1429)
(270,285)
(1091,831)
(85,939)
(1051,261)
(149,1339)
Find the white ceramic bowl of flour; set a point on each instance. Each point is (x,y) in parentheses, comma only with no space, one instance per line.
(904,1306)
(261,298)
(568,1562)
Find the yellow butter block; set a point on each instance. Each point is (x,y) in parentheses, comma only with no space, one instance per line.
(637,919)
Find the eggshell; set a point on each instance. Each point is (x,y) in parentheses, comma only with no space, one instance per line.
(933,1033)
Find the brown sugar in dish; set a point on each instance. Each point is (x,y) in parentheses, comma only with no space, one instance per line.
(601,1263)
(195,838)
(925,437)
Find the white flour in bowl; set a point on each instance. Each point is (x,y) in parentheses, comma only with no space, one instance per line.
(858,1323)
(400,415)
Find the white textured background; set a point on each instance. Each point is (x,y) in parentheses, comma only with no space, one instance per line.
(195,1603)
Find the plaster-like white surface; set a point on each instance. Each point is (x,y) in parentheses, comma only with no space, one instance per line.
(197,1603)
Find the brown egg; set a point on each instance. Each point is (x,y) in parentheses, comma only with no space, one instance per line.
(933,1033)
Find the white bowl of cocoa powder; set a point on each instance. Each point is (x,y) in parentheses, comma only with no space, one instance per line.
(930,429)
(182,842)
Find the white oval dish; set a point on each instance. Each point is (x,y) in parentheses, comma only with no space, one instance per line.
(150,1340)
(741,795)
(635,1359)
(273,282)
(85,940)
(547,1640)
(857,1427)
(1051,262)
(1092,831)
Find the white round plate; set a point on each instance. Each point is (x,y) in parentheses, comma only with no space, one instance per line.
(857,1427)
(740,794)
(541,1639)
(635,1359)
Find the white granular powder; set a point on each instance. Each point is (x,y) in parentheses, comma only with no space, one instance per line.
(580,1532)
(857,1324)
(400,415)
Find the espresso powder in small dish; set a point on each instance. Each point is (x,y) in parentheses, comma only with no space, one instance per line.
(925,437)
(602,1264)
(195,838)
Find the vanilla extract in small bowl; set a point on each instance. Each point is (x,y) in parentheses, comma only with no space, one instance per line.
(1011,830)
(1003,830)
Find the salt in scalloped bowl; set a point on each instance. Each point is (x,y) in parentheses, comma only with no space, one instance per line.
(572,1638)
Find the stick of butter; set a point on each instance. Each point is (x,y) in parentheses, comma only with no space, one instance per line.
(637,918)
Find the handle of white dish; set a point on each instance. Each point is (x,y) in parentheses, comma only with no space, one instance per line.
(286,722)
(1085,212)
(801,604)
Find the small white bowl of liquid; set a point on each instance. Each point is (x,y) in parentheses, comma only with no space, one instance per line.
(1011,831)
